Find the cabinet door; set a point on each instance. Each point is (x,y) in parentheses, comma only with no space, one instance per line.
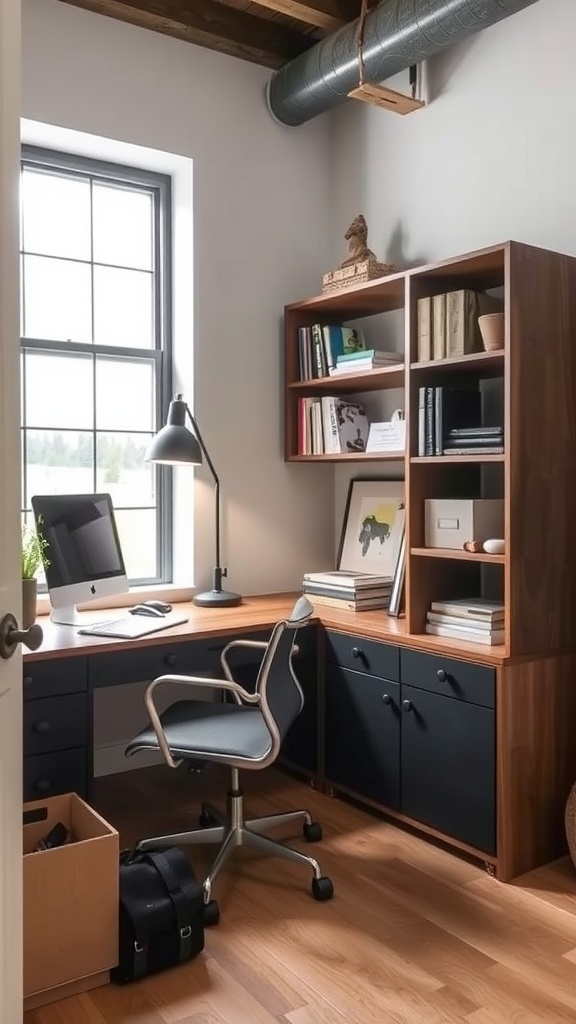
(363,734)
(448,766)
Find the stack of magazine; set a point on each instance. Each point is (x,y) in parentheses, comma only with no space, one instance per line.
(474,619)
(344,588)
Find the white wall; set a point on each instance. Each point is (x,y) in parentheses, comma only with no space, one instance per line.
(260,240)
(492,157)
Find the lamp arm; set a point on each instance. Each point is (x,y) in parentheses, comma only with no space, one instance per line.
(218,572)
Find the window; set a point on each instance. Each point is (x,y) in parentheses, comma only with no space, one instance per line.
(95,325)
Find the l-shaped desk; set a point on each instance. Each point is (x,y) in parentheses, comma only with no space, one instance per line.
(460,742)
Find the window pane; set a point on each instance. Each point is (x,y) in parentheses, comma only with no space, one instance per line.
(57,300)
(58,462)
(124,394)
(121,470)
(137,531)
(122,226)
(123,307)
(55,215)
(50,378)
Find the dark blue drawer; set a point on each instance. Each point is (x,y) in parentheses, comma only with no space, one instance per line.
(362,655)
(448,677)
(52,678)
(50,774)
(55,723)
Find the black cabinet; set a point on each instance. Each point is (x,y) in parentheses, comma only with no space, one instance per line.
(448,766)
(363,734)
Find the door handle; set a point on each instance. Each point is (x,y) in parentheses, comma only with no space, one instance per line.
(11,636)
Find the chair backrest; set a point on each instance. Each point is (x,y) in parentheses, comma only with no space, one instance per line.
(281,697)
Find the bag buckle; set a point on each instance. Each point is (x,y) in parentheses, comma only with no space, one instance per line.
(185,933)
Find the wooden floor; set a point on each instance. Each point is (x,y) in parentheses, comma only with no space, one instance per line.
(414,935)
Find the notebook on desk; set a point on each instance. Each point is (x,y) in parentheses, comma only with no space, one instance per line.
(131,627)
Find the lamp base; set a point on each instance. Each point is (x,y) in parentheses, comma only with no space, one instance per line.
(217,599)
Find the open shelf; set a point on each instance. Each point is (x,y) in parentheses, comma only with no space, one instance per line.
(367,380)
(456,554)
(488,364)
(352,457)
(447,460)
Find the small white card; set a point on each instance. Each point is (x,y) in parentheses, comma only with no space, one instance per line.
(389,436)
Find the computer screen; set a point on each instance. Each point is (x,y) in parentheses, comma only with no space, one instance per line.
(83,557)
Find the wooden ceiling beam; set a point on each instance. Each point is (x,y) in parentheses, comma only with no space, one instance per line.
(326,14)
(209,24)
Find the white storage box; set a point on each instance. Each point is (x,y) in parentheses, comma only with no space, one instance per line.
(450,522)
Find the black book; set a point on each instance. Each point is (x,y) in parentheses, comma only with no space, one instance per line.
(468,432)
(473,442)
(454,408)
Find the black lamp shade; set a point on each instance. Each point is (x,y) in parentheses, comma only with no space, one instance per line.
(174,444)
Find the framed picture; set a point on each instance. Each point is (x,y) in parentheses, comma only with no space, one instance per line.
(373,527)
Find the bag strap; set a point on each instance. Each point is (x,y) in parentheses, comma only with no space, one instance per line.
(180,902)
(137,913)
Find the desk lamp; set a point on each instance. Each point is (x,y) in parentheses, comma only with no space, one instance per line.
(176,445)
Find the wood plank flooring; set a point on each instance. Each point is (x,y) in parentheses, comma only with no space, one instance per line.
(414,935)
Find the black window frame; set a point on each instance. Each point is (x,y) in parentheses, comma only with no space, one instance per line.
(160,185)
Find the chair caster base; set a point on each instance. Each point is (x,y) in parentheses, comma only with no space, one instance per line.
(211,914)
(312,832)
(322,888)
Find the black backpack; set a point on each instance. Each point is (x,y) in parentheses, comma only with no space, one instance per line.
(161,913)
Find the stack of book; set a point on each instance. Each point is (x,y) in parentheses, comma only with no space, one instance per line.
(447,325)
(343,588)
(449,423)
(475,619)
(331,426)
(474,441)
(362,360)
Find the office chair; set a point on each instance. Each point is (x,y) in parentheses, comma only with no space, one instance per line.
(245,733)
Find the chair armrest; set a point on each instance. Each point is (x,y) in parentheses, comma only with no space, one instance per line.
(216,684)
(260,645)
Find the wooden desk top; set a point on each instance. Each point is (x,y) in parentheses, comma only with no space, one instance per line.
(258,612)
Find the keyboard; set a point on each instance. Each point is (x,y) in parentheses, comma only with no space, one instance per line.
(132,626)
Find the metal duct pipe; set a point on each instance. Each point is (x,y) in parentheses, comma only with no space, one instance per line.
(397,34)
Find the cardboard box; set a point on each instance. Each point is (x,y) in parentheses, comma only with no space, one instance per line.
(70,901)
(450,522)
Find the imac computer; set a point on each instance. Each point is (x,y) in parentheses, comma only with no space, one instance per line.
(83,557)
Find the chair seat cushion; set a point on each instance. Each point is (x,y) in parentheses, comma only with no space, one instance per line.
(206,730)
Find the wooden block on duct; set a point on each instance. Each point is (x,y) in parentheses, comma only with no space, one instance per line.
(380,96)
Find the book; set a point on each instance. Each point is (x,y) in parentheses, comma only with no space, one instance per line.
(470,607)
(359,366)
(466,635)
(424,328)
(484,450)
(350,431)
(350,605)
(463,307)
(483,625)
(350,593)
(346,577)
(438,326)
(369,353)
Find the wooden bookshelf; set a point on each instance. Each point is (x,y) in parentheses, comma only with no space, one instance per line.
(536,475)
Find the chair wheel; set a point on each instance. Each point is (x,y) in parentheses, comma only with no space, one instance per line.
(322,888)
(212,913)
(206,820)
(312,832)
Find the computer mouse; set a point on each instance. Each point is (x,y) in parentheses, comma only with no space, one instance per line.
(160,606)
(145,609)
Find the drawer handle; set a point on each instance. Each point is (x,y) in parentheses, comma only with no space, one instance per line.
(170,660)
(43,786)
(357,652)
(407,705)
(28,680)
(441,675)
(43,726)
(386,698)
